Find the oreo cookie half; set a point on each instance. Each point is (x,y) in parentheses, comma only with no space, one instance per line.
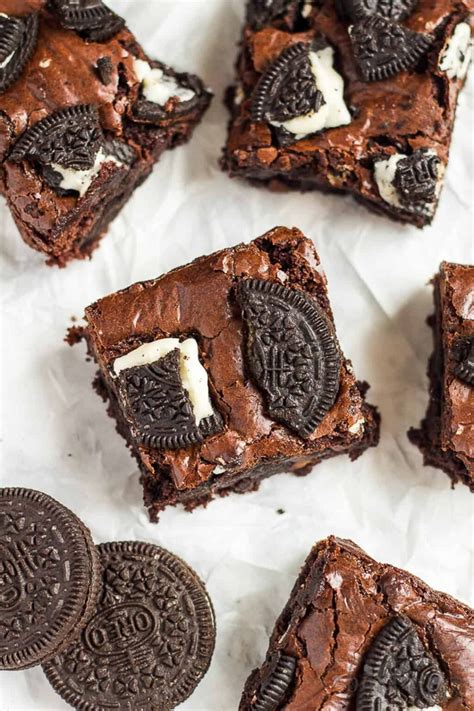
(464,369)
(399,672)
(92,19)
(18,38)
(49,576)
(383,48)
(396,10)
(291,352)
(151,640)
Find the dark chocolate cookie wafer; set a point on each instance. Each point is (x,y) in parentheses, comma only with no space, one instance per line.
(151,639)
(49,577)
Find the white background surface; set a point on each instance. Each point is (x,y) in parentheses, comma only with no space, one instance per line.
(57,437)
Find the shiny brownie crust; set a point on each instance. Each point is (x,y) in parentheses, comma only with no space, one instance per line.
(61,73)
(198,300)
(409,111)
(446,434)
(340,602)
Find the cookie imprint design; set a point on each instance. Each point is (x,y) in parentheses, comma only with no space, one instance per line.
(383,48)
(464,370)
(18,38)
(391,9)
(291,352)
(273,691)
(90,18)
(416,178)
(160,408)
(150,641)
(399,672)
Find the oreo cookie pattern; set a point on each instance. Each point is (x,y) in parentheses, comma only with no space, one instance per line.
(48,577)
(291,352)
(464,354)
(273,691)
(159,408)
(416,178)
(399,672)
(391,9)
(90,18)
(383,48)
(151,640)
(18,38)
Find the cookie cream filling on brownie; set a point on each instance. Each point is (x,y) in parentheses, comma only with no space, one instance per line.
(457,54)
(410,182)
(81,180)
(193,374)
(157,87)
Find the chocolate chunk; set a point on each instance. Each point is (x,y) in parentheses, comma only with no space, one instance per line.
(416,178)
(391,9)
(288,88)
(105,70)
(291,352)
(399,672)
(69,137)
(48,577)
(264,12)
(464,370)
(151,640)
(275,687)
(383,48)
(18,38)
(90,18)
(158,406)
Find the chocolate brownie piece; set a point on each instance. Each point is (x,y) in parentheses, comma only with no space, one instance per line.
(351,96)
(360,635)
(84,115)
(228,370)
(446,435)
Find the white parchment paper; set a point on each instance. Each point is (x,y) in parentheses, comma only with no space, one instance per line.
(57,437)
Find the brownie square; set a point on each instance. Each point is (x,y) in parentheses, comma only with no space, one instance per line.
(360,635)
(84,115)
(350,96)
(446,435)
(259,385)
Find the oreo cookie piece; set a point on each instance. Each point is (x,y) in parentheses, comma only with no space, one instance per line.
(291,352)
(49,576)
(159,408)
(399,672)
(151,640)
(265,12)
(105,70)
(18,38)
(464,354)
(416,178)
(92,19)
(275,688)
(383,48)
(396,10)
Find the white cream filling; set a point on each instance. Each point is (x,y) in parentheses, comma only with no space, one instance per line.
(357,426)
(307,9)
(457,54)
(157,87)
(80,180)
(384,174)
(334,111)
(192,372)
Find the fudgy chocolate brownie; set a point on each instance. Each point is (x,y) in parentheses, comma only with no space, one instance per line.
(363,636)
(228,370)
(84,115)
(446,435)
(357,96)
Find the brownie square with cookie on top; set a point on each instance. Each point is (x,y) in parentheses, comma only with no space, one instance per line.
(228,370)
(84,116)
(355,96)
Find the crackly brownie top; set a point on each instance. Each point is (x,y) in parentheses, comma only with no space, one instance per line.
(456,290)
(258,319)
(362,636)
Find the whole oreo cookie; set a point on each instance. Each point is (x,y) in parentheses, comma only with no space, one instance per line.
(49,576)
(383,48)
(151,640)
(18,38)
(354,10)
(273,691)
(90,18)
(292,353)
(416,178)
(399,672)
